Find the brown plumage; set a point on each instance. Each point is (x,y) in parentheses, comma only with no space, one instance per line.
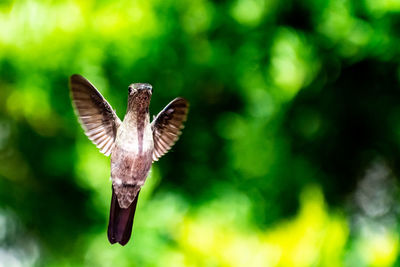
(133,143)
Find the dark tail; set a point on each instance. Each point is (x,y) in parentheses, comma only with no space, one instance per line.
(121,221)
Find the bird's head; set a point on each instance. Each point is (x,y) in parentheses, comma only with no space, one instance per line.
(140,89)
(139,94)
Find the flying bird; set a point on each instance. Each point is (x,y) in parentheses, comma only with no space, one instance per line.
(134,143)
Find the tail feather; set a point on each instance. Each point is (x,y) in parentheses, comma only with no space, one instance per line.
(121,221)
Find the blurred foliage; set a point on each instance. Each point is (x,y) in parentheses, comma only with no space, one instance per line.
(290,155)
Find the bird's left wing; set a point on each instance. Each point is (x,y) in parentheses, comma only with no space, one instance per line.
(96,116)
(167,126)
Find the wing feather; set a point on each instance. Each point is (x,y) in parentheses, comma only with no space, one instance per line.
(95,114)
(167,126)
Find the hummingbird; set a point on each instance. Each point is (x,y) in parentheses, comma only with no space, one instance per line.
(134,143)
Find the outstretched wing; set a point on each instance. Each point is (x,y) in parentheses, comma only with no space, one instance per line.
(96,116)
(167,126)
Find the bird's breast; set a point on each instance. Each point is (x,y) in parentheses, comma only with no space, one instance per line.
(131,157)
(135,139)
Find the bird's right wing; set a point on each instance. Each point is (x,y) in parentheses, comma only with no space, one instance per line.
(96,116)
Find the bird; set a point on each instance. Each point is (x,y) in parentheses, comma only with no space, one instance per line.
(133,143)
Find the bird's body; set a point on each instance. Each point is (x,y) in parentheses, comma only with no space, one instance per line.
(131,157)
(129,165)
(133,143)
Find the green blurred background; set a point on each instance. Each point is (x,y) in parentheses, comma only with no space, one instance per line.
(290,155)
